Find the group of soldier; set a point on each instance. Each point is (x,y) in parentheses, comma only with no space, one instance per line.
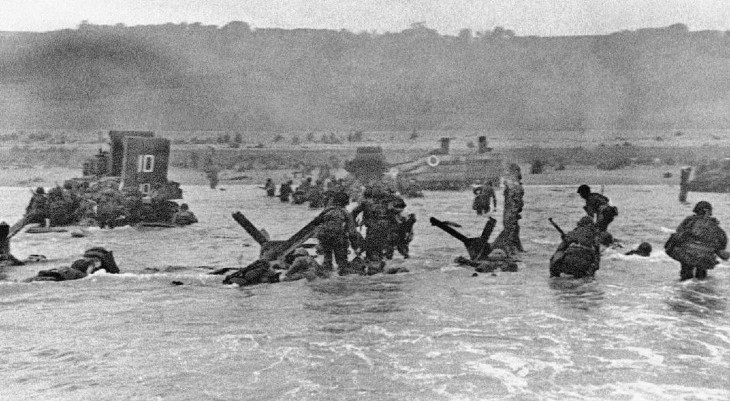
(317,194)
(103,205)
(696,244)
(379,213)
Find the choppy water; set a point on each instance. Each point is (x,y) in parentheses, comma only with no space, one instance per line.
(436,333)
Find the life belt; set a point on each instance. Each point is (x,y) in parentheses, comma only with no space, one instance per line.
(433,161)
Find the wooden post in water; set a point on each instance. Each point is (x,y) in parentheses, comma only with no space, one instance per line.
(683,183)
(5,254)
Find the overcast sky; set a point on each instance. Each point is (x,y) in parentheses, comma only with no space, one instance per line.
(525,17)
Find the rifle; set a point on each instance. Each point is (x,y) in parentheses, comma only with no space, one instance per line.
(476,247)
(557,227)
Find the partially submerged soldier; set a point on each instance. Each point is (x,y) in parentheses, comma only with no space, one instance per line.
(484,194)
(644,250)
(93,260)
(598,206)
(578,255)
(401,227)
(270,188)
(377,223)
(184,216)
(498,259)
(316,195)
(509,238)
(697,242)
(285,191)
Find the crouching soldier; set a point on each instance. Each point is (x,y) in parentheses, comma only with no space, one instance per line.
(498,259)
(258,272)
(696,243)
(578,255)
(184,216)
(335,231)
(303,266)
(299,196)
(94,259)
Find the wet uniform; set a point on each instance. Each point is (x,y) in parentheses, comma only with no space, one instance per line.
(303,266)
(316,196)
(484,194)
(401,228)
(598,205)
(284,192)
(695,245)
(378,223)
(509,239)
(94,259)
(270,188)
(578,254)
(333,234)
(184,218)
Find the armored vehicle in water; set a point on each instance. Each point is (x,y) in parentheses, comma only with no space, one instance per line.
(439,170)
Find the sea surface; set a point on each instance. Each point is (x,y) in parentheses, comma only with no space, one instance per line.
(436,333)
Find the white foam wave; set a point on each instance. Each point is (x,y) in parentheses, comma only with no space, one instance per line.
(513,381)
(544,241)
(655,257)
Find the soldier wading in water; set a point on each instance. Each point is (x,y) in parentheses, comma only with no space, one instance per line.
(377,220)
(578,255)
(509,239)
(335,233)
(599,206)
(696,243)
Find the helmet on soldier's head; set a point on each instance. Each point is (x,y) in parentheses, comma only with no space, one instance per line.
(585,221)
(702,207)
(96,252)
(40,191)
(497,254)
(584,189)
(644,248)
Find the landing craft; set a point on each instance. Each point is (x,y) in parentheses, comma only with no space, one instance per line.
(138,161)
(439,170)
(136,165)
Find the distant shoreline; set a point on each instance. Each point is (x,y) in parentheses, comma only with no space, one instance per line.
(573,175)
